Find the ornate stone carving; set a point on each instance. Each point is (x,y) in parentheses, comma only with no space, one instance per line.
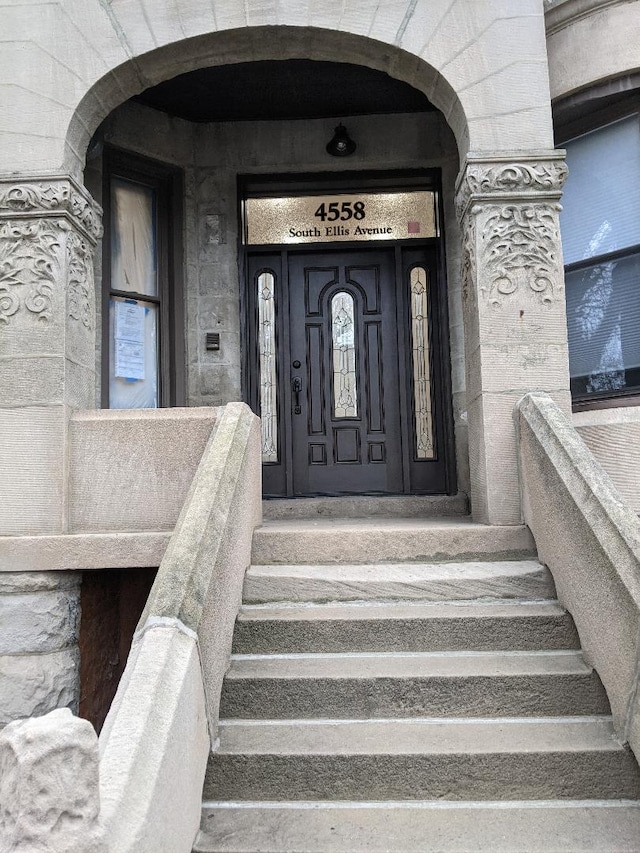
(486,178)
(468,272)
(80,291)
(58,196)
(520,249)
(29,266)
(49,785)
(48,230)
(515,177)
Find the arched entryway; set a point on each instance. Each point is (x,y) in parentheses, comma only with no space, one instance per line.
(256,133)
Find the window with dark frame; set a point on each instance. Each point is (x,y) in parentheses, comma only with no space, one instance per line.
(600,224)
(142,304)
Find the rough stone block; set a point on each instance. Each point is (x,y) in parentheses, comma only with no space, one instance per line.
(524,366)
(49,796)
(40,621)
(219,383)
(35,380)
(33,581)
(31,685)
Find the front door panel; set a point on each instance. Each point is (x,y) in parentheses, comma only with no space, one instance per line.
(345,426)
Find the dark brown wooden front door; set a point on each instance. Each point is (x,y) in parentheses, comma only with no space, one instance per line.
(347,366)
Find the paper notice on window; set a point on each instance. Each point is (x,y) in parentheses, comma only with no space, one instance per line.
(129,340)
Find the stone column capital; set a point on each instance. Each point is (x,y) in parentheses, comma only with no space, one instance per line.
(53,197)
(500,179)
(49,229)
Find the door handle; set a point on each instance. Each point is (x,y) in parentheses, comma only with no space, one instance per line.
(296,387)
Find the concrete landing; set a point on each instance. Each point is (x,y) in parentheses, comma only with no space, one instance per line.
(566,826)
(363,506)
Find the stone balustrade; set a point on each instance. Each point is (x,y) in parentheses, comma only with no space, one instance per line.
(590,540)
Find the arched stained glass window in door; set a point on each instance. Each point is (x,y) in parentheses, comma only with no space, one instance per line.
(343,342)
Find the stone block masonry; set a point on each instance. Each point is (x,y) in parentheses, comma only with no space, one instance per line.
(39,657)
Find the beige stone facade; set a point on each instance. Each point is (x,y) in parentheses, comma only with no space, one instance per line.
(494,73)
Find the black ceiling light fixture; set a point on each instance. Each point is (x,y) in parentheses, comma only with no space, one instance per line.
(341,144)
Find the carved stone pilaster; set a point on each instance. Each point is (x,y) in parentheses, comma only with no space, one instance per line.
(514,310)
(48,232)
(49,228)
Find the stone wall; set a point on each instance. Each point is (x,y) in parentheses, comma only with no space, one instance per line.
(613,436)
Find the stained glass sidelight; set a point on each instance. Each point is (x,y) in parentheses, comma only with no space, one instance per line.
(268,381)
(421,367)
(345,390)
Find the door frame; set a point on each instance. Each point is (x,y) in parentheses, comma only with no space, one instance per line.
(345,182)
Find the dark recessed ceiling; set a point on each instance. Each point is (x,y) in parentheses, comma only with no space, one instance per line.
(287,89)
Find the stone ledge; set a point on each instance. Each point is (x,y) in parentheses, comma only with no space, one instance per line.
(154,746)
(167,445)
(562,13)
(118,550)
(19,583)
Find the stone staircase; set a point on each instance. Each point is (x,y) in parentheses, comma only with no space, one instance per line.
(407,684)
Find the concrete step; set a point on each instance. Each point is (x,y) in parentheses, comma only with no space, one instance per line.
(377,540)
(568,826)
(423,759)
(522,579)
(408,627)
(410,685)
(367,506)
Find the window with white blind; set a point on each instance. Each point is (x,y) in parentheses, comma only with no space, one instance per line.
(600,224)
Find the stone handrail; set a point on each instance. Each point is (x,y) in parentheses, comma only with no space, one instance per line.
(157,737)
(590,540)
